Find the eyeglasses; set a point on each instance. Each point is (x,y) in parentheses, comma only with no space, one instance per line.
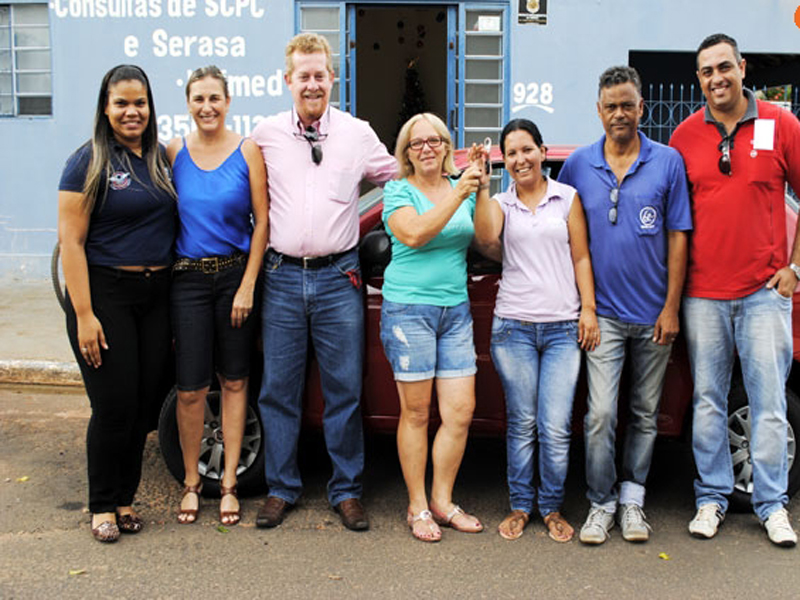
(434,142)
(724,164)
(613,195)
(312,136)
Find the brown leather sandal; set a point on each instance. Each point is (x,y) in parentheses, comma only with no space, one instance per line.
(228,517)
(557,527)
(513,526)
(189,515)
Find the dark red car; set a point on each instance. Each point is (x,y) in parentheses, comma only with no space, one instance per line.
(380,404)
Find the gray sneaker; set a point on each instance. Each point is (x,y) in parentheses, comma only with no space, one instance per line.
(633,523)
(598,524)
(706,521)
(779,529)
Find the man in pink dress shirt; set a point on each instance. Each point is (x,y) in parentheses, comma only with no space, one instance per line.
(316,157)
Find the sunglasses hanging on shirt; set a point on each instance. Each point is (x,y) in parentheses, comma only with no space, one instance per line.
(724,164)
(313,137)
(613,195)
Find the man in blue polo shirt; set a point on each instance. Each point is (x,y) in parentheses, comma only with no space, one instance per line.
(636,200)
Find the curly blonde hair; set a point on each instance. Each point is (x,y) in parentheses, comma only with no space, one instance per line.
(405,168)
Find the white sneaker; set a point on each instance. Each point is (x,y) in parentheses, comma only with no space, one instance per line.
(598,524)
(706,521)
(779,529)
(632,521)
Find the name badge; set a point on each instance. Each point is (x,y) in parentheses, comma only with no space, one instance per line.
(764,134)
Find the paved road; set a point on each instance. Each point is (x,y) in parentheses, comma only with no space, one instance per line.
(46,550)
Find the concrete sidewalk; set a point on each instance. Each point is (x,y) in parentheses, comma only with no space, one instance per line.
(33,337)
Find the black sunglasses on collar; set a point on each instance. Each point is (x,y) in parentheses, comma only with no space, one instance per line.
(313,137)
(724,164)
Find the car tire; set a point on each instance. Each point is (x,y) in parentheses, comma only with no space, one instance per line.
(739,437)
(56,277)
(250,474)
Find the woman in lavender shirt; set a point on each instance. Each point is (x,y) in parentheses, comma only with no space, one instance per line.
(544,316)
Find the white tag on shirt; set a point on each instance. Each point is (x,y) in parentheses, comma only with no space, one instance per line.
(764,134)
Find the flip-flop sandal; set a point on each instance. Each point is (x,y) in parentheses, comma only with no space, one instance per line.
(457,511)
(511,520)
(428,531)
(557,528)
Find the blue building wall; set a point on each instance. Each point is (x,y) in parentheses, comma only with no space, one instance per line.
(554,65)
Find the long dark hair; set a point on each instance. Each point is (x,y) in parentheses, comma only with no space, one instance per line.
(520,125)
(100,167)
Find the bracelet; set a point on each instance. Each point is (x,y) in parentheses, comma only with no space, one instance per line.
(795,269)
(485,186)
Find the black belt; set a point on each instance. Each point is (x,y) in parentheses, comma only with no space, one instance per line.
(310,262)
(211,264)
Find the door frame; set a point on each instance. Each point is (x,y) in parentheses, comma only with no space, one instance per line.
(456,48)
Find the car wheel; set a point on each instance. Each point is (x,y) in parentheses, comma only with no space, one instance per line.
(739,434)
(57,276)
(250,473)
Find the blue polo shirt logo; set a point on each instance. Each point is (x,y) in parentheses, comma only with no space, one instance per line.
(119,180)
(647,217)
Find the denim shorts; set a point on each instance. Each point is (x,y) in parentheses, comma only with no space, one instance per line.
(422,341)
(205,340)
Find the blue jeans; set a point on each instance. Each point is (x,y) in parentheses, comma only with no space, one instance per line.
(538,364)
(325,303)
(759,328)
(604,368)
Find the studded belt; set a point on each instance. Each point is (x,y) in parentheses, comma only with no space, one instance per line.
(210,264)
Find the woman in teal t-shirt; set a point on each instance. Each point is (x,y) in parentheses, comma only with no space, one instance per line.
(426,325)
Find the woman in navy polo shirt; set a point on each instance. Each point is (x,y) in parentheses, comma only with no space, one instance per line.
(116,228)
(221,181)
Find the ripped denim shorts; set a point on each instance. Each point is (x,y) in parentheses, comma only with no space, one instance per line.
(423,341)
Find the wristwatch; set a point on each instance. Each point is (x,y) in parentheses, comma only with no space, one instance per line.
(796,269)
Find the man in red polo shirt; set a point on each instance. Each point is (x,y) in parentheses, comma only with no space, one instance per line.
(739,154)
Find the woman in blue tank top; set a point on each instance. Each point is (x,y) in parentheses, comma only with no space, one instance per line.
(221,182)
